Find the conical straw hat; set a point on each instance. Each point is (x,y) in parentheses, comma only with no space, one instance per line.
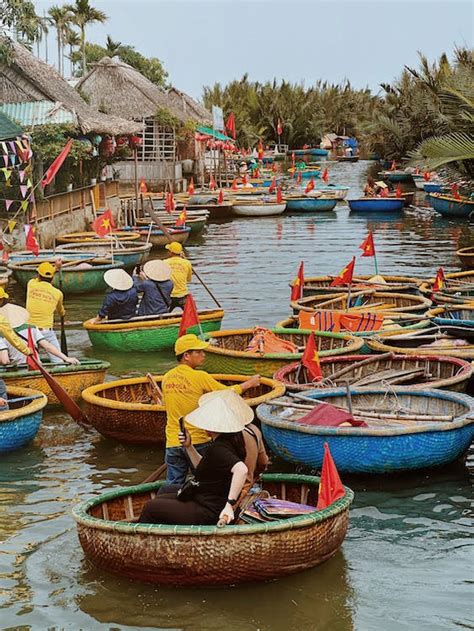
(118,279)
(223,411)
(16,315)
(157,270)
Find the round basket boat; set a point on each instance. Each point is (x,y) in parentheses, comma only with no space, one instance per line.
(227,354)
(398,284)
(78,237)
(20,423)
(159,239)
(419,342)
(5,274)
(207,555)
(406,429)
(130,253)
(125,410)
(420,372)
(466,256)
(366,300)
(72,377)
(196,223)
(73,280)
(461,316)
(391,322)
(254,208)
(458,287)
(147,333)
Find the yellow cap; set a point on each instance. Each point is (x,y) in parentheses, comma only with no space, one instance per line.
(3,293)
(46,270)
(174,247)
(189,342)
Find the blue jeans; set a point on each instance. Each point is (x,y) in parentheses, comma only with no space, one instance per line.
(178,464)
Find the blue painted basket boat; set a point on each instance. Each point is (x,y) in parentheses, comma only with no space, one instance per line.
(50,255)
(376,204)
(311,204)
(396,176)
(20,423)
(318,152)
(434,187)
(130,253)
(450,206)
(307,173)
(462,316)
(386,445)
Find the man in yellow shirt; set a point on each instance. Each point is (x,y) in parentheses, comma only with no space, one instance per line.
(182,388)
(181,274)
(42,302)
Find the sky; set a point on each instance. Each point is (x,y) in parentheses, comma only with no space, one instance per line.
(202,42)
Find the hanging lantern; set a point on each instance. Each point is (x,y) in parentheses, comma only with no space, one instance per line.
(122,141)
(135,142)
(106,147)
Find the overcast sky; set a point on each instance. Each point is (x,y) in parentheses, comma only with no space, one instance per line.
(201,42)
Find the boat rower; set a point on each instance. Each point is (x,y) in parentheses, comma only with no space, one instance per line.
(182,388)
(121,302)
(154,282)
(181,274)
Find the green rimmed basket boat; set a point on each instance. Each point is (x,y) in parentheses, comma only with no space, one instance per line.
(125,410)
(208,555)
(73,280)
(147,334)
(365,300)
(227,354)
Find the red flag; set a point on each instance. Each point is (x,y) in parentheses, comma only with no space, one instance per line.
(330,485)
(345,277)
(57,164)
(230,125)
(384,192)
(234,186)
(260,150)
(297,285)
(299,177)
(256,173)
(279,128)
(440,280)
(34,357)
(212,183)
(181,221)
(169,203)
(398,192)
(274,168)
(279,195)
(31,242)
(325,177)
(189,317)
(220,199)
(393,166)
(367,246)
(427,176)
(5,256)
(244,179)
(310,185)
(104,224)
(310,359)
(191,187)
(272,185)
(455,191)
(143,186)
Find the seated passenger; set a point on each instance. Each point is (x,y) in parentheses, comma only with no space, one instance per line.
(121,302)
(220,473)
(155,284)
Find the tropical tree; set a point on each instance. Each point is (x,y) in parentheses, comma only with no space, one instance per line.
(60,18)
(84,15)
(73,40)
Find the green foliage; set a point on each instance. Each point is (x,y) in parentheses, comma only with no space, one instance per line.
(48,140)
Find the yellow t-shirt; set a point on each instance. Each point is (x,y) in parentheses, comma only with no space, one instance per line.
(42,300)
(9,334)
(181,274)
(182,388)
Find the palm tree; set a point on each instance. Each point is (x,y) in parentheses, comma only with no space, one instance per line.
(73,40)
(83,15)
(113,48)
(60,18)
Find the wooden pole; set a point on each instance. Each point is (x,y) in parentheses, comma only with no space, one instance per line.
(135,159)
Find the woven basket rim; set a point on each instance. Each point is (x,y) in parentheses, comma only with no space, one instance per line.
(421,324)
(127,247)
(22,266)
(34,406)
(463,352)
(419,301)
(354,344)
(69,369)
(81,516)
(450,198)
(469,251)
(205,315)
(264,413)
(90,394)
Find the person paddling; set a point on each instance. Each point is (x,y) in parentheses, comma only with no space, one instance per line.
(120,303)
(182,388)
(43,301)
(154,282)
(181,274)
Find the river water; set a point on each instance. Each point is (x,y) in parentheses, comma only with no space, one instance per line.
(407,560)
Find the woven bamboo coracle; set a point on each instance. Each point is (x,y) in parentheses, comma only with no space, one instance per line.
(381,301)
(20,423)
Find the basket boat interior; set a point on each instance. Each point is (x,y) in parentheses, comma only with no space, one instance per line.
(127,508)
(433,337)
(240,341)
(376,299)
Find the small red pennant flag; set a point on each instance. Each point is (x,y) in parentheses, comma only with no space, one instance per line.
(234,186)
(104,224)
(31,242)
(220,199)
(310,185)
(297,284)
(345,276)
(279,197)
(191,187)
(272,185)
(367,246)
(190,316)
(325,176)
(143,186)
(310,359)
(212,184)
(331,488)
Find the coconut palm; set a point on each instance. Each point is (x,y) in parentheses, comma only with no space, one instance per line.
(84,15)
(73,40)
(60,18)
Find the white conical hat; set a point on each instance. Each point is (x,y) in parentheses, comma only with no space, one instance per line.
(223,411)
(118,279)
(16,315)
(157,270)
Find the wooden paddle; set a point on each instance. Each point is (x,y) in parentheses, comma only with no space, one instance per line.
(63,397)
(156,220)
(155,393)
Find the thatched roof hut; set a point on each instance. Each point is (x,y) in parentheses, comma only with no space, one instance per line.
(27,78)
(189,107)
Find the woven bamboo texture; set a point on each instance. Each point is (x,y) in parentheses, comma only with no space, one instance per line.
(148,335)
(453,315)
(124,410)
(74,379)
(393,322)
(227,353)
(466,256)
(207,555)
(381,300)
(398,284)
(383,344)
(458,283)
(77,237)
(20,424)
(383,447)
(448,373)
